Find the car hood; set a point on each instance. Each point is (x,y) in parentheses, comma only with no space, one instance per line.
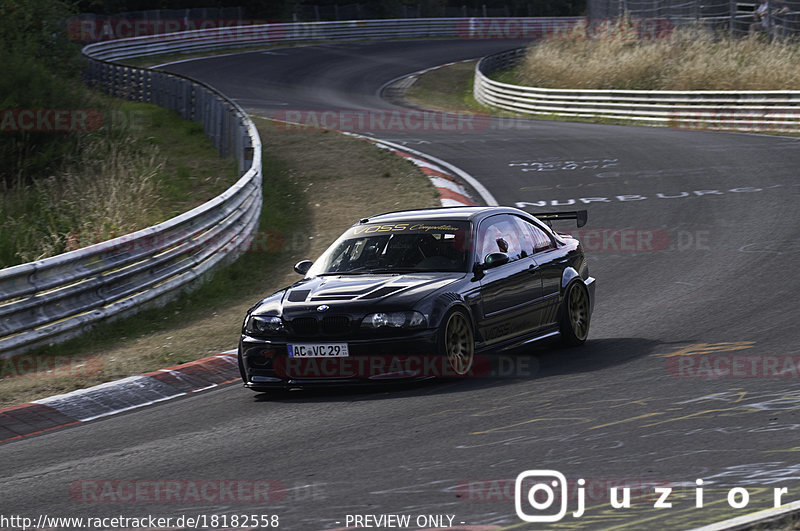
(383,291)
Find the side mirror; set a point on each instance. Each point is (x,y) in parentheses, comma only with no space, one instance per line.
(494,260)
(302,267)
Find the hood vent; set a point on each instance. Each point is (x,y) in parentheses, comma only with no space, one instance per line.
(328,297)
(298,295)
(340,294)
(382,292)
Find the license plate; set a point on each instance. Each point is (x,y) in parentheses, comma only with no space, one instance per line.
(318,350)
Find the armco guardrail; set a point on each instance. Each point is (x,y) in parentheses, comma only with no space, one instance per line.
(57,298)
(296,32)
(777,110)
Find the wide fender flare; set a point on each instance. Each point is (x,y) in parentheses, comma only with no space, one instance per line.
(568,275)
(459,304)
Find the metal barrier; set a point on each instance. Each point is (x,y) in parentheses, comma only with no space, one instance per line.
(776,110)
(296,32)
(58,298)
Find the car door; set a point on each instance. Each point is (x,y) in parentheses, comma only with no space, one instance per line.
(507,291)
(549,262)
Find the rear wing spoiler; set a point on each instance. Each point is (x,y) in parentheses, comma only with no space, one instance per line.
(580,215)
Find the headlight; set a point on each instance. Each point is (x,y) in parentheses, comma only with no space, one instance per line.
(393,320)
(261,325)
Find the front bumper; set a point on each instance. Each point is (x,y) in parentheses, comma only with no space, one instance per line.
(265,364)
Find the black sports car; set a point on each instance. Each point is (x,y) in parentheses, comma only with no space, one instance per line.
(417,294)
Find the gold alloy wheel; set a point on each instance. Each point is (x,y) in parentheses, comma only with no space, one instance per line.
(459,343)
(578,308)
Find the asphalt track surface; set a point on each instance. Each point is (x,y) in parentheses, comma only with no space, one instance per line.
(706,271)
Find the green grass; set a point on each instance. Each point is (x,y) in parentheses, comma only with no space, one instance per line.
(509,75)
(446,88)
(145,165)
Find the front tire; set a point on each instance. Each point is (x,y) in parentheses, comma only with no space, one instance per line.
(457,342)
(574,321)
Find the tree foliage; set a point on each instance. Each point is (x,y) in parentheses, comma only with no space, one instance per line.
(41,67)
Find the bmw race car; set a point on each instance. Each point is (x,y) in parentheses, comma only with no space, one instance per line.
(417,294)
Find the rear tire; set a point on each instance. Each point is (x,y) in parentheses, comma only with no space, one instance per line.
(575,317)
(457,342)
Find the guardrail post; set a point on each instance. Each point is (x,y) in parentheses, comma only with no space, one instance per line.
(246,158)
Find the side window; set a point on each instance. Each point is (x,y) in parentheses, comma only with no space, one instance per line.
(526,239)
(543,241)
(499,234)
(536,240)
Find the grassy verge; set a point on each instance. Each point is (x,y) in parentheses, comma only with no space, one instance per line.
(448,88)
(316,184)
(509,75)
(144,166)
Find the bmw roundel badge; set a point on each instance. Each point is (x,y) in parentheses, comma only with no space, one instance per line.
(322,308)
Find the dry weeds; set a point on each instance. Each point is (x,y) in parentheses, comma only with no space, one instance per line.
(687,59)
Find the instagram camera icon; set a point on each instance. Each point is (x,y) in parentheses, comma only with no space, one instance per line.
(544,481)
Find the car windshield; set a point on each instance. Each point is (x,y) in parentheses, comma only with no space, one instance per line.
(397,247)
